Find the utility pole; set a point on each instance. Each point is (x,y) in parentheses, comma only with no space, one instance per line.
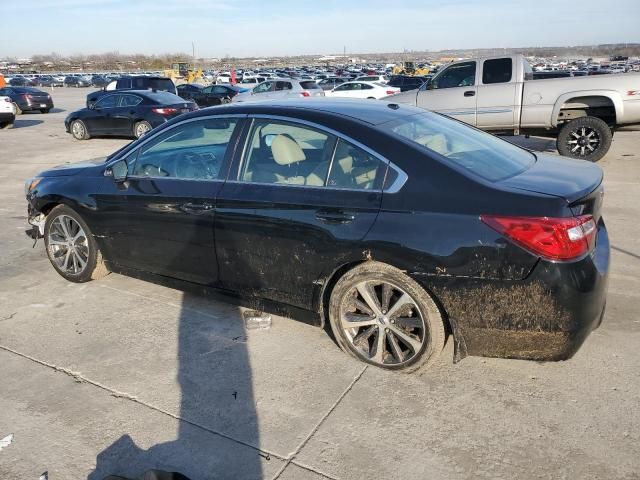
(193,51)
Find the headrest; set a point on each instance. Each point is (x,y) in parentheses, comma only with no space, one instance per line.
(286,151)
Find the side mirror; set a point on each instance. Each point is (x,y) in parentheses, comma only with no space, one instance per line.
(118,171)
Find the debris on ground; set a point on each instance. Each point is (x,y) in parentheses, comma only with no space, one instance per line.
(6,441)
(254,320)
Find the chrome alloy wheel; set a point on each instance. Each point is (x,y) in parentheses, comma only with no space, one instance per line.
(583,141)
(142,129)
(78,130)
(67,245)
(383,323)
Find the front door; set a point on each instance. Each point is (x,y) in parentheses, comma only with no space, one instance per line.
(162,217)
(452,92)
(99,120)
(299,201)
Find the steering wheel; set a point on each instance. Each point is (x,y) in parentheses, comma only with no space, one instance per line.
(189,163)
(150,170)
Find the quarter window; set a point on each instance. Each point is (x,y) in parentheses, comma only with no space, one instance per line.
(497,71)
(129,100)
(193,150)
(459,75)
(352,167)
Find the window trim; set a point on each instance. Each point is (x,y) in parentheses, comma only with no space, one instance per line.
(395,187)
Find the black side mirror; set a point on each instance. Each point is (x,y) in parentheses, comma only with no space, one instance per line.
(118,171)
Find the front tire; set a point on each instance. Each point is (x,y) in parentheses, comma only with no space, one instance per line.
(70,246)
(585,138)
(384,318)
(79,130)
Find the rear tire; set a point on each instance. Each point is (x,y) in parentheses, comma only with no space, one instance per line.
(45,110)
(585,138)
(79,130)
(71,248)
(141,128)
(407,332)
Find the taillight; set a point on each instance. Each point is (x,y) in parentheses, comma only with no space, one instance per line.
(550,238)
(305,94)
(164,111)
(391,92)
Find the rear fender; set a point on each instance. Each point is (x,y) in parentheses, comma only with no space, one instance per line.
(612,95)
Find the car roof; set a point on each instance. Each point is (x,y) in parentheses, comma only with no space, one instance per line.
(365,111)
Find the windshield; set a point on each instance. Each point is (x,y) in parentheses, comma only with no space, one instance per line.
(476,152)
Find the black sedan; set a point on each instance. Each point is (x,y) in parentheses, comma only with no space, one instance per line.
(130,113)
(72,81)
(395,225)
(211,95)
(22,82)
(28,99)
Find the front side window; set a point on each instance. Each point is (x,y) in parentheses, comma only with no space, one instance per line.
(497,70)
(263,87)
(191,151)
(478,153)
(459,75)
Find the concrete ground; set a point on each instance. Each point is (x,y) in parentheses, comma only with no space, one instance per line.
(119,375)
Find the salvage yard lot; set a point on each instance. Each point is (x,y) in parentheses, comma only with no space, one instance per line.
(119,375)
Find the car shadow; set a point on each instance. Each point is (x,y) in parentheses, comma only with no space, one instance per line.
(217,423)
(20,123)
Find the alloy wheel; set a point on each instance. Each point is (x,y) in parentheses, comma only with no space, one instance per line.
(383,323)
(78,129)
(142,129)
(68,245)
(583,141)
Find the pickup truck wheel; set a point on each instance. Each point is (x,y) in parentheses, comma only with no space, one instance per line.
(585,138)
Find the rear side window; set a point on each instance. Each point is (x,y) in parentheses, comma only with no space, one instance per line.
(478,153)
(354,168)
(309,85)
(497,71)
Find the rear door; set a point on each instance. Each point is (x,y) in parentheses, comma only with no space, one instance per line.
(296,204)
(283,89)
(453,92)
(123,116)
(100,119)
(497,91)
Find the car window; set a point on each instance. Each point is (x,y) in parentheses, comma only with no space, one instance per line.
(209,89)
(192,151)
(478,153)
(220,90)
(343,88)
(263,87)
(283,153)
(309,85)
(283,86)
(459,75)
(497,70)
(108,101)
(354,168)
(129,100)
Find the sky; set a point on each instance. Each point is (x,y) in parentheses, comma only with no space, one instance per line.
(263,28)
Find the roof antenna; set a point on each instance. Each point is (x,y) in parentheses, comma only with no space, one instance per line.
(393,106)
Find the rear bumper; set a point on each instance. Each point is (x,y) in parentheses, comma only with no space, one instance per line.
(35,105)
(548,316)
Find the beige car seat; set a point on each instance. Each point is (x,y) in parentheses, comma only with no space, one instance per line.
(287,152)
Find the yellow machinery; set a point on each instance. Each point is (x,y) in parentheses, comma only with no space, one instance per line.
(409,68)
(182,73)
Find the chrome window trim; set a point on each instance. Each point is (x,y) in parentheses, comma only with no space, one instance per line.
(393,188)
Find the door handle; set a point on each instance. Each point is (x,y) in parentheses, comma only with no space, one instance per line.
(335,217)
(469,93)
(196,207)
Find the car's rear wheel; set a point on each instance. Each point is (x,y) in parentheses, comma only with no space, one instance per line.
(141,128)
(382,317)
(79,130)
(70,246)
(16,109)
(585,138)
(44,110)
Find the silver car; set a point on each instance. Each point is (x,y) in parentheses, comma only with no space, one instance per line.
(278,88)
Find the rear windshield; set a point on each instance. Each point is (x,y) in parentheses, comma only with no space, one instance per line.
(474,151)
(309,85)
(164,84)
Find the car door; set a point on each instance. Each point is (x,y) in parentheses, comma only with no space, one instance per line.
(297,203)
(124,114)
(263,91)
(161,220)
(283,89)
(453,92)
(99,120)
(497,94)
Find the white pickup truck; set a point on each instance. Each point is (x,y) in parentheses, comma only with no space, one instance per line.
(498,94)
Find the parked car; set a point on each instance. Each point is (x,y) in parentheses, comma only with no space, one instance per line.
(372,78)
(499,94)
(392,224)
(130,113)
(281,88)
(330,83)
(28,99)
(407,82)
(72,81)
(7,112)
(49,81)
(21,82)
(210,95)
(99,81)
(141,82)
(370,90)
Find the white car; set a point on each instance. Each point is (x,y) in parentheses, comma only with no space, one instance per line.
(7,112)
(371,90)
(372,78)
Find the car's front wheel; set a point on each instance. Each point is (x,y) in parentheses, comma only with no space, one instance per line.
(79,130)
(382,317)
(16,109)
(71,248)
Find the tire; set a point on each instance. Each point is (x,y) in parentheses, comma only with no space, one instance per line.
(79,130)
(45,110)
(17,109)
(423,324)
(63,259)
(141,128)
(585,138)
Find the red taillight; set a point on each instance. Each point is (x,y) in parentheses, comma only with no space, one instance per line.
(391,92)
(551,238)
(305,94)
(164,111)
